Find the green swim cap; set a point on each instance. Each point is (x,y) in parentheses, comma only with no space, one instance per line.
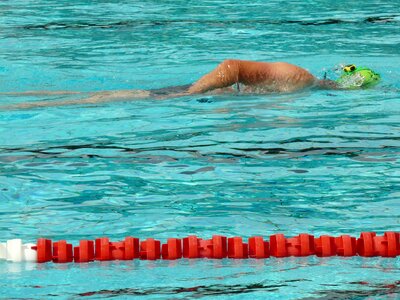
(354,78)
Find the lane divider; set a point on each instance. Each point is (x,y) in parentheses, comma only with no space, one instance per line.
(192,247)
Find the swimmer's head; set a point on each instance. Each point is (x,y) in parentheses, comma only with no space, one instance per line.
(357,77)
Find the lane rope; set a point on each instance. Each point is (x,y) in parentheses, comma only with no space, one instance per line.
(192,247)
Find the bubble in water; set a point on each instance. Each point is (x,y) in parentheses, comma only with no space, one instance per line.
(333,72)
(355,80)
(338,69)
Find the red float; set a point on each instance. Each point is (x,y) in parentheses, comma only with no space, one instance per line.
(172,249)
(131,245)
(43,248)
(237,249)
(258,248)
(84,252)
(346,245)
(150,249)
(277,245)
(62,252)
(325,246)
(390,244)
(301,245)
(191,246)
(102,249)
(365,244)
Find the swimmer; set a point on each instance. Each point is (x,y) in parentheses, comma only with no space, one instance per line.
(230,76)
(278,77)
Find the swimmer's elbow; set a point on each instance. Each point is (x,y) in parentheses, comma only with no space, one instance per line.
(229,72)
(225,74)
(231,66)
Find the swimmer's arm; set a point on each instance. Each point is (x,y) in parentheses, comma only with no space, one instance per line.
(224,75)
(233,71)
(97,97)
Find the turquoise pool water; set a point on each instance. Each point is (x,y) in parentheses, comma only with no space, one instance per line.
(321,162)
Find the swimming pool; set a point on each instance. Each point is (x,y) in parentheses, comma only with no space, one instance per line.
(322,162)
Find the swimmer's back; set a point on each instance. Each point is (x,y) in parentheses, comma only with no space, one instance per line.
(277,76)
